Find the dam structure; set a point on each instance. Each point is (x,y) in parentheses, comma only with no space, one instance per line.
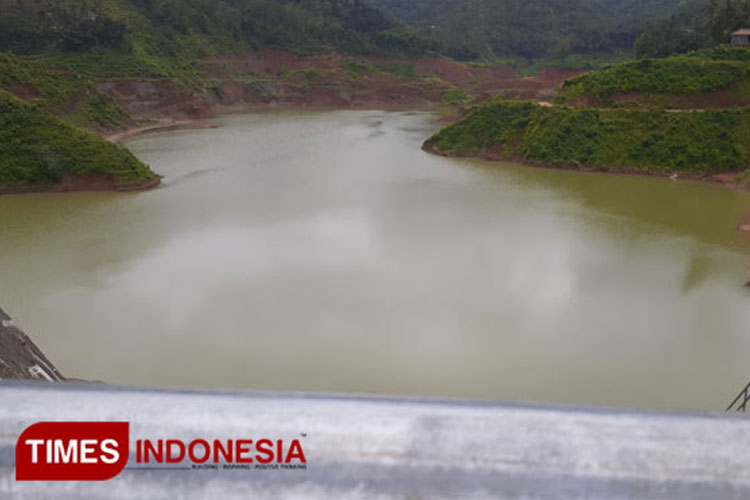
(20,358)
(359,447)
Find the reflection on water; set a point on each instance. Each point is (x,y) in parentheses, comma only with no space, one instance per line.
(326,252)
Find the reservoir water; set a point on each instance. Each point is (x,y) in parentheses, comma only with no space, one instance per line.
(324,251)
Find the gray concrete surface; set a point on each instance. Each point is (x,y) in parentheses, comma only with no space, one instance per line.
(20,358)
(362,448)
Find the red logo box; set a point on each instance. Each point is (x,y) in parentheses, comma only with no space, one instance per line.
(72,451)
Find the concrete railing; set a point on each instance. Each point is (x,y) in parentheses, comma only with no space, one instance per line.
(383,448)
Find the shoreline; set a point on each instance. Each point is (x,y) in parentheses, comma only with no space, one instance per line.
(80,185)
(166,126)
(723,180)
(727,179)
(102,183)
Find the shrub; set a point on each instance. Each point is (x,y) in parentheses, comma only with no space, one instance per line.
(37,149)
(650,139)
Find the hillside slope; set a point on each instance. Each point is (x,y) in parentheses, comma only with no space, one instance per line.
(39,152)
(711,78)
(196,28)
(697,143)
(469,29)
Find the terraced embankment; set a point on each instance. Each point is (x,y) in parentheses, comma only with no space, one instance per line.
(685,116)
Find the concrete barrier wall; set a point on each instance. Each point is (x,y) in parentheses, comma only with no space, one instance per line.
(359,448)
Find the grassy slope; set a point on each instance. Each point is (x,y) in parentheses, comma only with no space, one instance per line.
(59,90)
(667,81)
(38,149)
(651,140)
(162,39)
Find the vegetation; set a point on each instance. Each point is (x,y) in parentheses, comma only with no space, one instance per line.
(494,124)
(698,142)
(532,67)
(55,52)
(37,150)
(63,92)
(408,71)
(722,53)
(355,68)
(59,49)
(455,96)
(187,29)
(53,88)
(674,75)
(695,24)
(491,29)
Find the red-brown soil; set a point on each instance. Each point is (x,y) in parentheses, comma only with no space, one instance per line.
(279,78)
(695,100)
(745,224)
(25,92)
(154,99)
(271,78)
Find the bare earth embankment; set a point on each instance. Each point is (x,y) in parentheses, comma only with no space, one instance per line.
(273,79)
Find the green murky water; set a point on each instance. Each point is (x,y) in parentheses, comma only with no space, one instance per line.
(326,252)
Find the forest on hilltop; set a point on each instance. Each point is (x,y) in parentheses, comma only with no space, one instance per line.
(202,27)
(472,29)
(462,29)
(694,27)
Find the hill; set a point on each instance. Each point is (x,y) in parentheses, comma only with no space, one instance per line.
(695,143)
(40,152)
(687,114)
(196,28)
(60,53)
(470,29)
(710,78)
(693,26)
(463,29)
(109,65)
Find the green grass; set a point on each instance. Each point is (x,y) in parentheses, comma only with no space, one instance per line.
(356,69)
(650,140)
(100,110)
(408,71)
(65,83)
(498,123)
(54,87)
(455,96)
(722,53)
(677,75)
(532,67)
(37,149)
